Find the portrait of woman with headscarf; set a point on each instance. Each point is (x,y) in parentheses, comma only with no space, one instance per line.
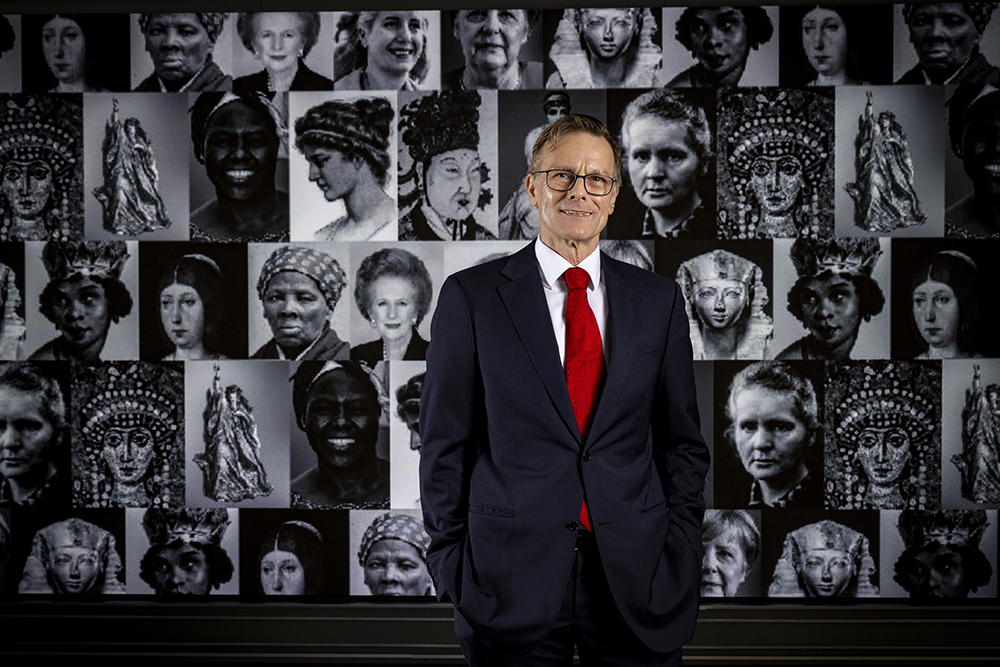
(181,47)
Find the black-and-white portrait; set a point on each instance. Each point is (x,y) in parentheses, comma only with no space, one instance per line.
(729,46)
(883,435)
(970,427)
(77,556)
(890,161)
(499,49)
(668,164)
(730,566)
(34,449)
(942,555)
(41,179)
(972,186)
(831,298)
(85,305)
(192,301)
(617,47)
(237,434)
(726,296)
(406,382)
(75,53)
(769,435)
(180,552)
(945,43)
(339,445)
(387,50)
(776,164)
(390,554)
(12,329)
(343,176)
(10,53)
(182,52)
(283,51)
(136,166)
(448,153)
(298,289)
(835,45)
(458,256)
(395,290)
(239,167)
(127,431)
(831,557)
(635,252)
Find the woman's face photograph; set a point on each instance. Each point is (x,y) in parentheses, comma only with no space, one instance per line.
(826,573)
(937,571)
(394,567)
(27,187)
(281,573)
(719,302)
(341,421)
(719,40)
(65,49)
(396,41)
(770,438)
(278,39)
(178,45)
(181,570)
(935,310)
(662,163)
(295,309)
(393,307)
(241,152)
(491,39)
(75,569)
(330,171)
(831,310)
(883,453)
(824,38)
(452,183)
(777,182)
(182,315)
(943,35)
(607,32)
(724,566)
(81,313)
(128,453)
(981,146)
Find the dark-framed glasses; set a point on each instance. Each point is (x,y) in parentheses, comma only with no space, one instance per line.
(562,180)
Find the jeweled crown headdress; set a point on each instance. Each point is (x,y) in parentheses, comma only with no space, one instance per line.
(191,526)
(128,401)
(884,400)
(72,259)
(38,128)
(947,527)
(850,256)
(777,126)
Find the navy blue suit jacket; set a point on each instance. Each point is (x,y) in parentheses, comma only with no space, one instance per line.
(503,468)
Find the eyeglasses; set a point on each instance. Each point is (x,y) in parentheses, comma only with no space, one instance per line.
(561,180)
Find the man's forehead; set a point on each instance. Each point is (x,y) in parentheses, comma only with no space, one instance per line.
(575,145)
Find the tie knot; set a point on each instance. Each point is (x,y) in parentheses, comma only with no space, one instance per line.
(576,278)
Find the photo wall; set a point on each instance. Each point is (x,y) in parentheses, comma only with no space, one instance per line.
(222,237)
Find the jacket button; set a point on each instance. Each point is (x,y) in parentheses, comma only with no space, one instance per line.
(572,525)
(586,456)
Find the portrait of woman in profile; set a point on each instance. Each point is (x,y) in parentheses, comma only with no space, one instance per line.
(945,295)
(381,51)
(280,41)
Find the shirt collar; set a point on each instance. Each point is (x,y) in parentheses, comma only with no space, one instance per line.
(553,265)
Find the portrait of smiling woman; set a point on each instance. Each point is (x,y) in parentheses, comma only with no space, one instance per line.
(281,41)
(75,53)
(386,50)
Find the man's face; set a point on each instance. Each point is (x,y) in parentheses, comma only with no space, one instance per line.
(178,45)
(452,183)
(719,302)
(981,147)
(724,566)
(181,569)
(491,39)
(607,32)
(394,567)
(884,453)
(28,187)
(128,453)
(575,217)
(75,569)
(719,40)
(831,310)
(826,573)
(241,152)
(341,421)
(944,37)
(662,163)
(295,309)
(770,438)
(26,436)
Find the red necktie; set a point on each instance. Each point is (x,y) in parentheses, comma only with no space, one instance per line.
(584,358)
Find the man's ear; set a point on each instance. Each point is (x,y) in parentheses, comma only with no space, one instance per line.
(530,182)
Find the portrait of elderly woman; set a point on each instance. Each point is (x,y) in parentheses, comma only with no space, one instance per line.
(237,138)
(385,50)
(299,288)
(443,186)
(338,407)
(825,559)
(720,40)
(84,296)
(41,167)
(833,294)
(72,557)
(974,130)
(393,293)
(606,48)
(128,436)
(490,41)
(946,37)
(776,178)
(181,46)
(293,559)
(724,296)
(185,555)
(281,41)
(731,540)
(393,555)
(946,554)
(774,430)
(75,53)
(347,145)
(33,441)
(883,435)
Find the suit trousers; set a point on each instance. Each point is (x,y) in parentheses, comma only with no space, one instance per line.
(588,618)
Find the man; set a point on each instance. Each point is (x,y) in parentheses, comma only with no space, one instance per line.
(532,474)
(946,38)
